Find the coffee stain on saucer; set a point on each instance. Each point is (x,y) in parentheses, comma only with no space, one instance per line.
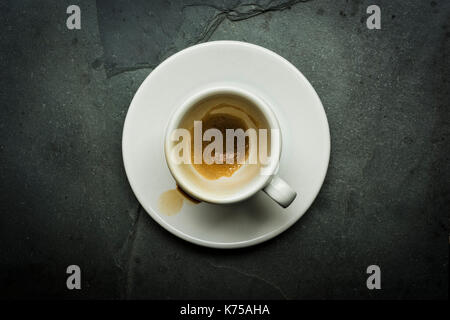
(171,201)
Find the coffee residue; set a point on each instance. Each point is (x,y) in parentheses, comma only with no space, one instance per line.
(221,121)
(171,201)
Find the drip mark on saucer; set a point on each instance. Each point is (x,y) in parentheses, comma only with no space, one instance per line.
(171,201)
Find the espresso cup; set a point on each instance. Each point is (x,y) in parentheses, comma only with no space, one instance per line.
(245,179)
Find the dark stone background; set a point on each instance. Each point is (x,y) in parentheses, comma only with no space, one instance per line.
(65,198)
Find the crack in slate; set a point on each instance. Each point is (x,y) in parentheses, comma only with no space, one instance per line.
(252,276)
(150,31)
(236,14)
(125,254)
(209,30)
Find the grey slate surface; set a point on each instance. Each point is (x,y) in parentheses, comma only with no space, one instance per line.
(65,198)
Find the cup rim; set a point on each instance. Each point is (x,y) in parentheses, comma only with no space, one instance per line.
(201,94)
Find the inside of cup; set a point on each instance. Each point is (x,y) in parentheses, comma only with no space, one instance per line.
(200,179)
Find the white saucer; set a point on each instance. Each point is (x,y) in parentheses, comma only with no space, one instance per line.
(304,128)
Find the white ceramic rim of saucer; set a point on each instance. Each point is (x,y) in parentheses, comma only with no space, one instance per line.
(259,239)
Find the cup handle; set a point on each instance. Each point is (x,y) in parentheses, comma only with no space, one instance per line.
(280,191)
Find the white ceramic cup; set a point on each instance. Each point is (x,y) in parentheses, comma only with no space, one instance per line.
(267,180)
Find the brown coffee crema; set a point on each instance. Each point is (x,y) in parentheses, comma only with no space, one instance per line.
(214,119)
